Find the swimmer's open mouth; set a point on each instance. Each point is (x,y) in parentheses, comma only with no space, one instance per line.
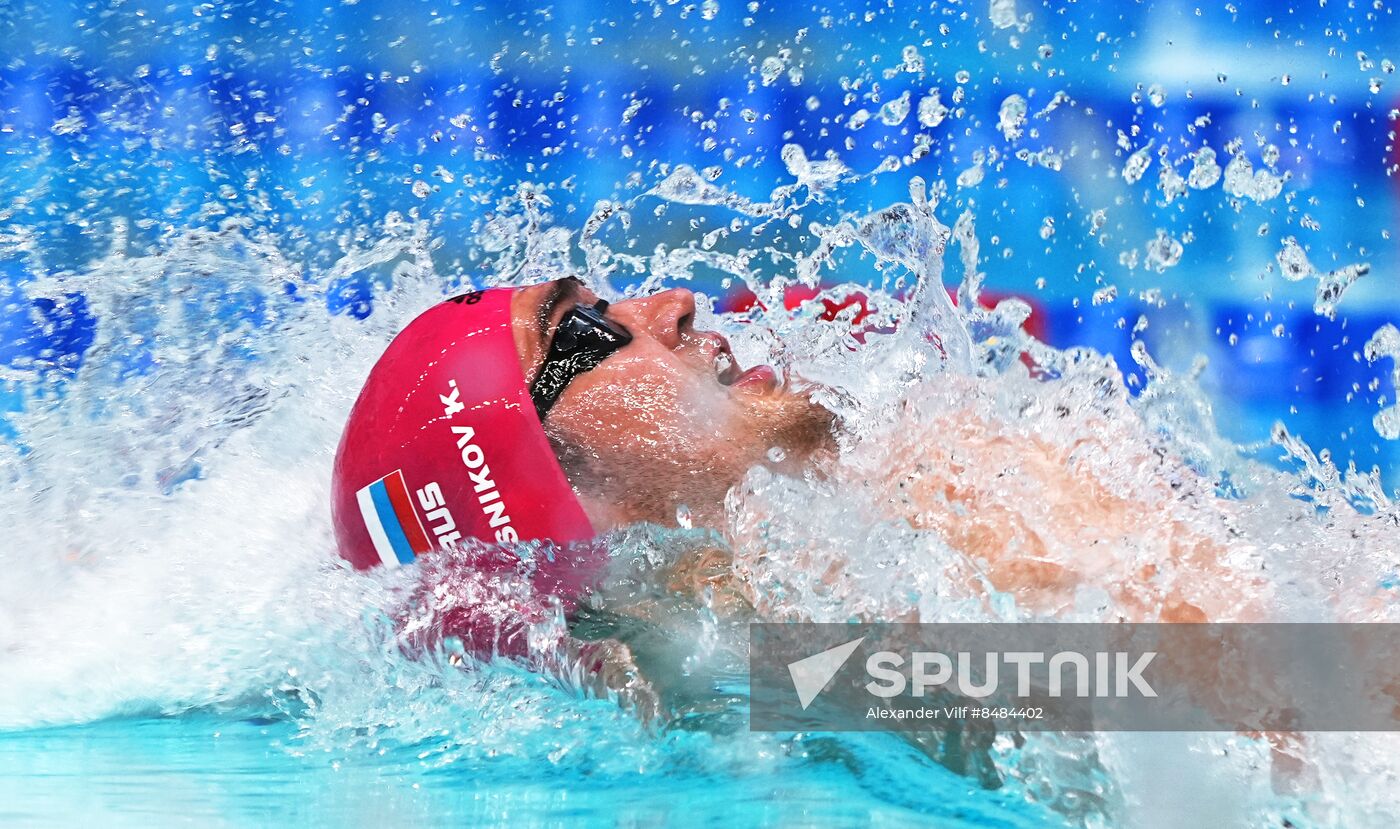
(727,369)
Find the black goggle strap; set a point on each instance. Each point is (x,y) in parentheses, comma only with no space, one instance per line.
(582,341)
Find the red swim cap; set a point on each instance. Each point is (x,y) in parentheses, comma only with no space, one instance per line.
(444,445)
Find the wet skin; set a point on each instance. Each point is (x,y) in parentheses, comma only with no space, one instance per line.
(669,420)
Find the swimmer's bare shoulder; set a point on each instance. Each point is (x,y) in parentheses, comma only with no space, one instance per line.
(1040,517)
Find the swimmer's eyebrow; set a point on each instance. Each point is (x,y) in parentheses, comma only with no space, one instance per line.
(560,291)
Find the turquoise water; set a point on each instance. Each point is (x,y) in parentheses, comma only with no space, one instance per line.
(248,772)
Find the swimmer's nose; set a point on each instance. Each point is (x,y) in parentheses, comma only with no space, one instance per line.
(664,316)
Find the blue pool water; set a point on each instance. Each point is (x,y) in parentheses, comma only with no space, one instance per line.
(230,771)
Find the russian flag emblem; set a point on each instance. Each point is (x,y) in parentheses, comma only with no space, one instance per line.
(392,521)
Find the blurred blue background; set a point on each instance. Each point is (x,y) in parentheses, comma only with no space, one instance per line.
(310,122)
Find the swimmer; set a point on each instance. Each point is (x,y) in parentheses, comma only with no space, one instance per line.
(546,413)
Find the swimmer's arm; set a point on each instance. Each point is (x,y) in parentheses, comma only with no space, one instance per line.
(1033,522)
(634,640)
(607,669)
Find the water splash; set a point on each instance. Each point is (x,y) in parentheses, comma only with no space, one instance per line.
(1242,180)
(1011,118)
(1137,164)
(931,110)
(1331,285)
(1002,14)
(1386,343)
(1163,252)
(893,113)
(1205,171)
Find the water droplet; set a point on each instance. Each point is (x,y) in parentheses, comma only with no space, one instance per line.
(972,176)
(1241,179)
(1205,172)
(771,68)
(894,112)
(1002,14)
(69,125)
(1163,252)
(1012,117)
(931,110)
(1386,343)
(1137,164)
(1105,295)
(913,61)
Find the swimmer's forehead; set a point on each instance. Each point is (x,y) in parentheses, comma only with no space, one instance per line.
(536,311)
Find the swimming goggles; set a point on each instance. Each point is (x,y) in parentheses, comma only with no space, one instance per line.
(583,339)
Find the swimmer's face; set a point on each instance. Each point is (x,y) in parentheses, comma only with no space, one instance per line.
(668,420)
